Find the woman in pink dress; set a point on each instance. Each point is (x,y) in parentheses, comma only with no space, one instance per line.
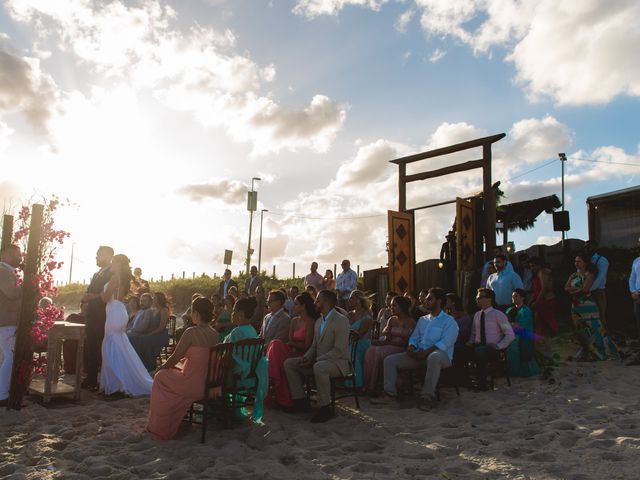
(300,339)
(175,389)
(394,339)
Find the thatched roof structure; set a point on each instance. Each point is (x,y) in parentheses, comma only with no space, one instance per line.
(522,215)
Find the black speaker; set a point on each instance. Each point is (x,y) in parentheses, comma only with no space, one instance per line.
(561,221)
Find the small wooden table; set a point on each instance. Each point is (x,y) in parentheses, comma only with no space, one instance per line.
(50,386)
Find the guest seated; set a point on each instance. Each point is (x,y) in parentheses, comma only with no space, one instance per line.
(385,312)
(276,323)
(261,308)
(520,353)
(288,304)
(241,318)
(223,311)
(430,345)
(70,347)
(361,321)
(186,317)
(140,324)
(454,308)
(327,357)
(300,339)
(490,333)
(311,290)
(149,344)
(394,339)
(175,389)
(133,306)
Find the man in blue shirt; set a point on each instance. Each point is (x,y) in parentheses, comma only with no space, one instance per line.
(431,345)
(345,283)
(503,282)
(599,284)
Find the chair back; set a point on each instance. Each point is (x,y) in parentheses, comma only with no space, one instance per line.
(375,330)
(219,363)
(171,327)
(250,350)
(354,338)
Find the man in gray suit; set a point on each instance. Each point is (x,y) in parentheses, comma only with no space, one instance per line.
(327,357)
(276,322)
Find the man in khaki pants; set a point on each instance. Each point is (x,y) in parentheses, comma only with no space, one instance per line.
(327,357)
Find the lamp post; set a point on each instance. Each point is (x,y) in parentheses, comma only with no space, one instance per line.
(252,206)
(563,158)
(260,244)
(71,262)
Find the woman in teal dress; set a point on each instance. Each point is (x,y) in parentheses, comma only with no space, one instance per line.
(241,318)
(520,352)
(361,321)
(593,337)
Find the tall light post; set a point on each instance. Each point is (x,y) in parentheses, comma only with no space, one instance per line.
(252,206)
(71,262)
(563,158)
(260,245)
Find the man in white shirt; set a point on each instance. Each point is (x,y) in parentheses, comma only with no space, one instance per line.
(10,293)
(345,283)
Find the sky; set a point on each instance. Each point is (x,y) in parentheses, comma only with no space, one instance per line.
(152,117)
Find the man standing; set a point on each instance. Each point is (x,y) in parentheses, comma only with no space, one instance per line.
(327,357)
(288,305)
(431,345)
(490,333)
(489,263)
(345,283)
(634,288)
(143,285)
(96,317)
(276,322)
(599,284)
(314,278)
(10,294)
(252,282)
(226,283)
(503,282)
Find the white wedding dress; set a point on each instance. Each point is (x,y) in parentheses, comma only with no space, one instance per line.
(122,370)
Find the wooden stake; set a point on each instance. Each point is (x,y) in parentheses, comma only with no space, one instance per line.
(23,352)
(7,231)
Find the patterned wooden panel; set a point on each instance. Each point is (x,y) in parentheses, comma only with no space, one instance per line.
(465,235)
(401,261)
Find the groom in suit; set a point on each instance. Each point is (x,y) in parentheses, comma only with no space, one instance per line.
(327,357)
(276,322)
(96,317)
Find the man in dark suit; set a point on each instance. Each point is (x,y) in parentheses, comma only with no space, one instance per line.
(252,282)
(226,283)
(276,322)
(96,317)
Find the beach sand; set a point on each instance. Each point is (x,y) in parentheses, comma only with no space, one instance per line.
(585,426)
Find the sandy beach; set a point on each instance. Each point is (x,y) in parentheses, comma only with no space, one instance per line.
(585,426)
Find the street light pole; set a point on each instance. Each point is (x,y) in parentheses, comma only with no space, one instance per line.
(260,246)
(251,206)
(71,262)
(563,158)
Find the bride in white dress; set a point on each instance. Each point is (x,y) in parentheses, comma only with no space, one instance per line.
(122,370)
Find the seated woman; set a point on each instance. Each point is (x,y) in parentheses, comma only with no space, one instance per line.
(222,321)
(261,308)
(300,339)
(592,335)
(150,344)
(361,322)
(174,390)
(394,339)
(520,352)
(241,318)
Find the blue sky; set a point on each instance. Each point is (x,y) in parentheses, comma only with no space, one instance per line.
(153,116)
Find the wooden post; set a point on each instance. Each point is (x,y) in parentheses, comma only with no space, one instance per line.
(274,272)
(23,352)
(7,231)
(193,276)
(294,269)
(183,274)
(489,199)
(402,187)
(335,268)
(172,277)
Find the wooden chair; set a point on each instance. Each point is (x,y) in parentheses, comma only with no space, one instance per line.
(215,382)
(242,390)
(168,349)
(350,377)
(499,368)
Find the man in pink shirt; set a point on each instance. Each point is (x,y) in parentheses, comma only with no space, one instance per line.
(314,278)
(490,333)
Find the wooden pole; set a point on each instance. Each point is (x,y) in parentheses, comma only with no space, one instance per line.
(7,231)
(402,187)
(489,200)
(294,269)
(23,352)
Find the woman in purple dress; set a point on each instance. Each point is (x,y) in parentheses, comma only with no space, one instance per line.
(394,339)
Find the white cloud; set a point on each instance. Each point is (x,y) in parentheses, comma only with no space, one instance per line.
(547,240)
(230,192)
(535,139)
(5,133)
(314,8)
(575,53)
(437,55)
(404,19)
(195,70)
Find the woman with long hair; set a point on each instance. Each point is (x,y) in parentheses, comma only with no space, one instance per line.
(300,339)
(394,339)
(591,334)
(149,345)
(175,389)
(361,322)
(122,370)
(328,282)
(520,354)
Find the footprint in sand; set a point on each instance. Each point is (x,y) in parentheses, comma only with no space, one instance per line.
(543,457)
